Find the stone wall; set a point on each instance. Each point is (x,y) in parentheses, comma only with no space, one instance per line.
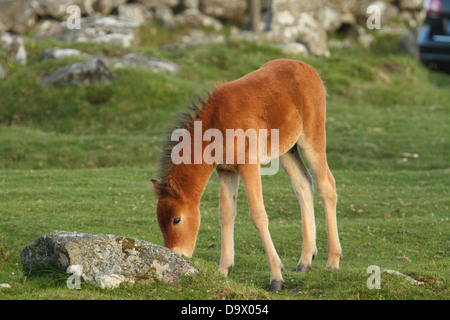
(20,16)
(301,26)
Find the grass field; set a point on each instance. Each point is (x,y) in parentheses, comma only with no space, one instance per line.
(81,159)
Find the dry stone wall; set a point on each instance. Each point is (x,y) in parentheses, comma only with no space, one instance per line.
(296,26)
(20,16)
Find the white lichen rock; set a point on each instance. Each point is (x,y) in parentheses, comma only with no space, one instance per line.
(105,260)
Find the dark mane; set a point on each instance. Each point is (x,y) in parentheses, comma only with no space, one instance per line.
(184,120)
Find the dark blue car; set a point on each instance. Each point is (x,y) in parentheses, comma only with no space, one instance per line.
(434,36)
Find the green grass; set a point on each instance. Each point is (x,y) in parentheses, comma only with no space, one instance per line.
(379,224)
(81,159)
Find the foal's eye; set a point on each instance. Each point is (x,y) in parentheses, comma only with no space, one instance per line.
(176,221)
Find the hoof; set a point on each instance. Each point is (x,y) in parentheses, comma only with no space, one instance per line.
(226,270)
(304,264)
(333,266)
(276,285)
(303,268)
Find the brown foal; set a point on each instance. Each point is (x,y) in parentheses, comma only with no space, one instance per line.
(285,95)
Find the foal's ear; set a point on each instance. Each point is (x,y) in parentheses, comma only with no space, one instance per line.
(163,189)
(173,187)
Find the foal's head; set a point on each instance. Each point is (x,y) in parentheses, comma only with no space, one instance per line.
(178,218)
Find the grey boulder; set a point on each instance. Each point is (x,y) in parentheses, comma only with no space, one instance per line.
(144,62)
(105,260)
(87,72)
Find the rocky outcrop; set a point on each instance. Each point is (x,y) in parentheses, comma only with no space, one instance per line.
(411,4)
(142,62)
(156,3)
(227,10)
(90,71)
(135,12)
(300,21)
(105,260)
(164,16)
(301,26)
(58,53)
(17,16)
(193,17)
(107,29)
(57,9)
(107,6)
(129,60)
(13,45)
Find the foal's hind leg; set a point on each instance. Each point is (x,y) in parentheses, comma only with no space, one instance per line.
(302,183)
(314,152)
(229,184)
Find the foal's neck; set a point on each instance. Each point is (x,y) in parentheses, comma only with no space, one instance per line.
(192,178)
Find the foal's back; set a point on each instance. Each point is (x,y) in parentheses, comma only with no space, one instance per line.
(283,94)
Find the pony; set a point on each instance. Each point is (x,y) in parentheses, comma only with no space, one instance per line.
(283,94)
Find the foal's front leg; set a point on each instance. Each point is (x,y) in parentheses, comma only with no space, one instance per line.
(251,178)
(229,184)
